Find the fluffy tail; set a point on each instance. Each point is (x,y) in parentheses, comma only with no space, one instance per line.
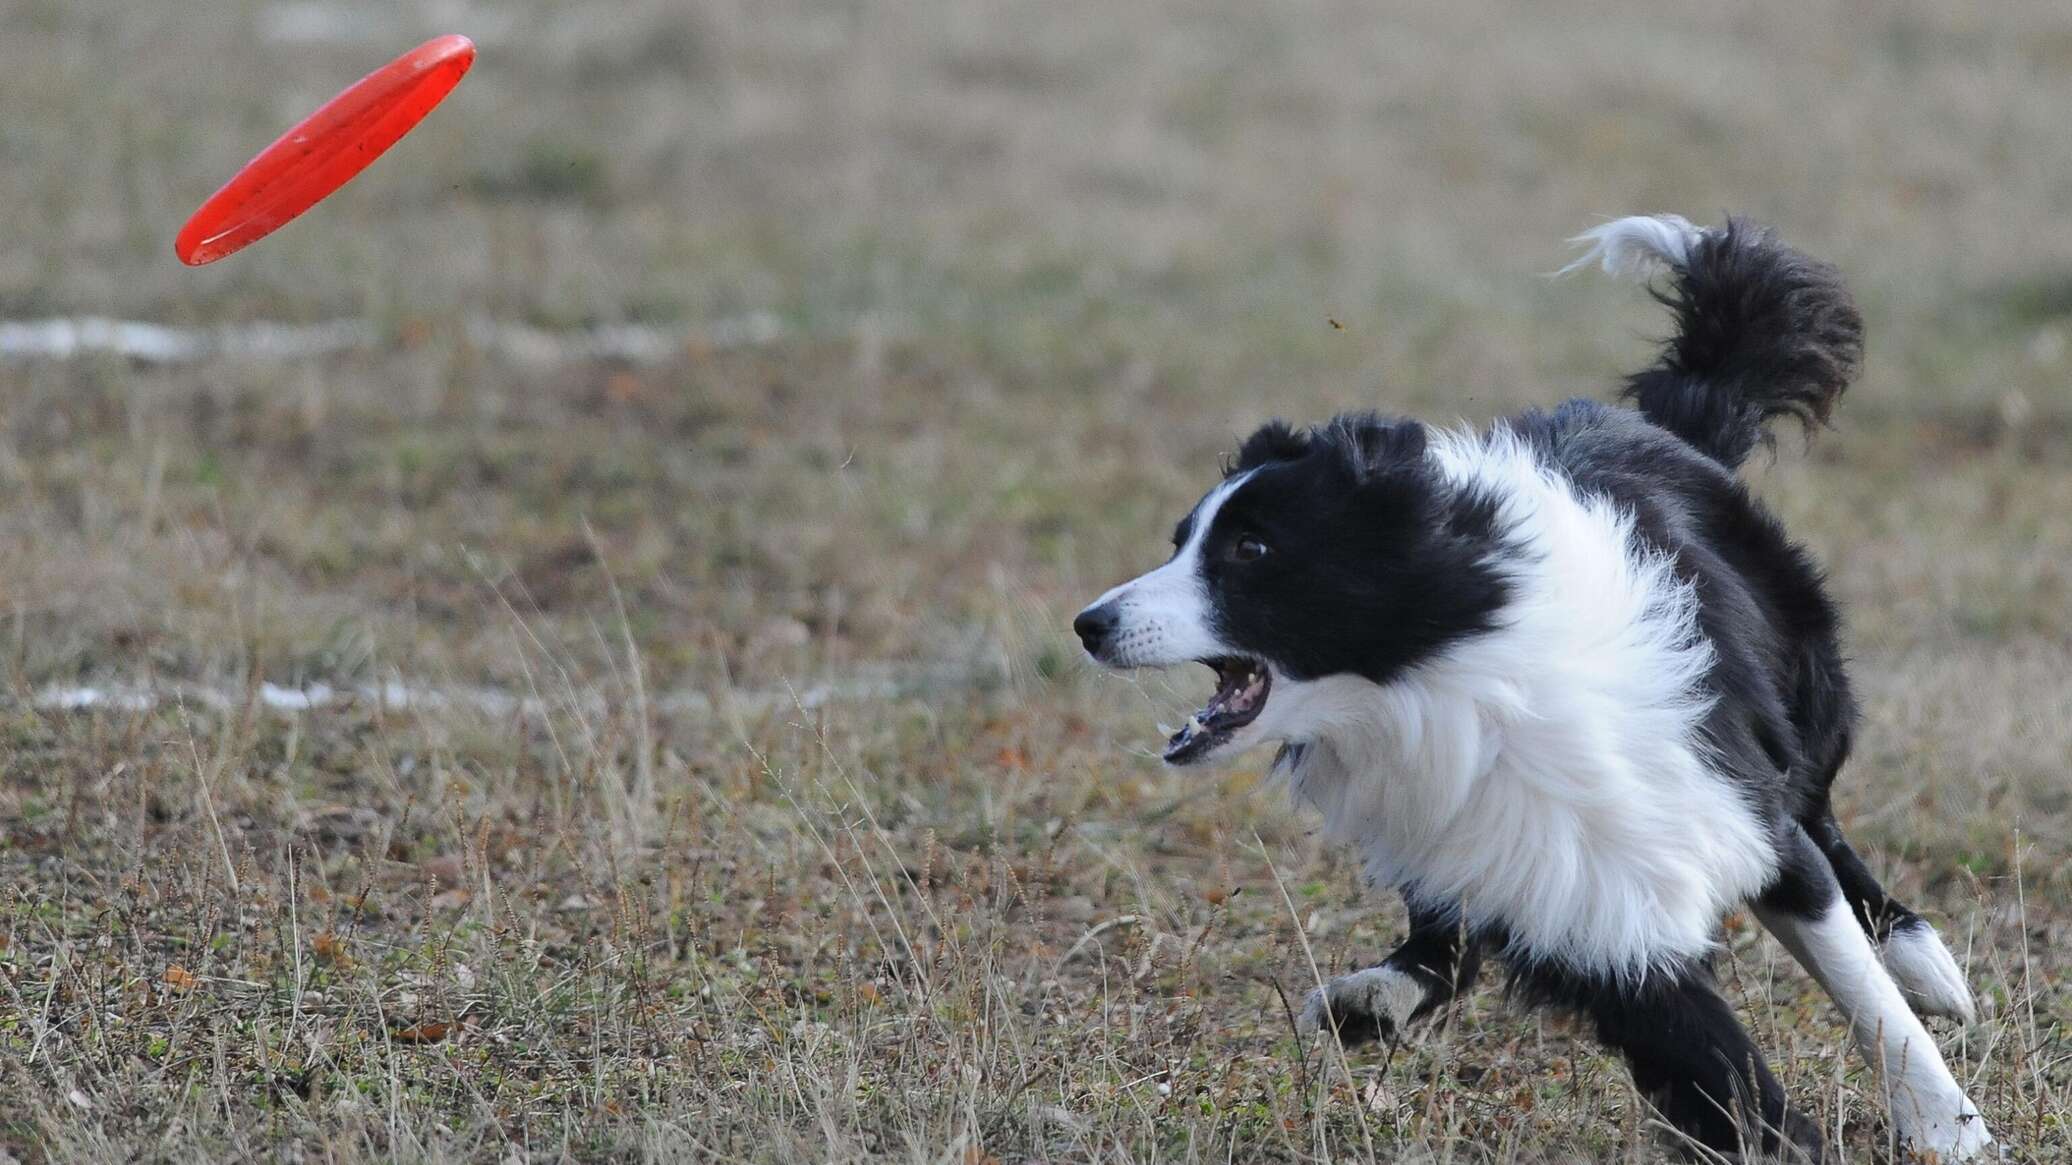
(1762,330)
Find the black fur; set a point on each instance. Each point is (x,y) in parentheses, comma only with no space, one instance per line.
(1376,562)
(1877,911)
(1762,331)
(1689,1056)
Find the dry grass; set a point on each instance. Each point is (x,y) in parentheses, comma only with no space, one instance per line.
(1037,265)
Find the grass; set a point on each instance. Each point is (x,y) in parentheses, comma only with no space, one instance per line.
(810,838)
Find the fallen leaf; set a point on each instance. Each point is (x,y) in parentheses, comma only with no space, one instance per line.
(329,949)
(180,978)
(424,1033)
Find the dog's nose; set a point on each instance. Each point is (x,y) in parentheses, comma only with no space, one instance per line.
(1096,626)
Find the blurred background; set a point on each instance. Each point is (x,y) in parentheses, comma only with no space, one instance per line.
(677,462)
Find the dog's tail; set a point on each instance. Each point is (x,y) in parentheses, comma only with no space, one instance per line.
(1762,330)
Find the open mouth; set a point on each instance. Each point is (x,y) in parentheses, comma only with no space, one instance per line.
(1241,686)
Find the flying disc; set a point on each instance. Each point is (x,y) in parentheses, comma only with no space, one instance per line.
(324,151)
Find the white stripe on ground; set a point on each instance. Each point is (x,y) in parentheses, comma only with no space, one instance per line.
(74,337)
(71,338)
(494,702)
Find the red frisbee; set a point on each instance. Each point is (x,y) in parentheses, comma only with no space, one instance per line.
(325,151)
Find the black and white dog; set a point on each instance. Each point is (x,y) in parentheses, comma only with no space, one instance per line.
(1575,693)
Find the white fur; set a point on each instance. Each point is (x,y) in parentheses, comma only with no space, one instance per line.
(1163,617)
(1926,973)
(1929,1108)
(1548,776)
(1382,992)
(1636,245)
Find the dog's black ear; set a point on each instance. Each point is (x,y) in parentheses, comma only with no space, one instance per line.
(1372,446)
(1272,441)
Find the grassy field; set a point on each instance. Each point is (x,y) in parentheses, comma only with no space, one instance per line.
(750,801)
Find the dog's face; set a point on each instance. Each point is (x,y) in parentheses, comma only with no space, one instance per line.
(1322,557)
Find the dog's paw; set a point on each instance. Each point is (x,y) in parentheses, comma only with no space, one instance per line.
(1950,1139)
(1368,1005)
(1798,1140)
(1926,973)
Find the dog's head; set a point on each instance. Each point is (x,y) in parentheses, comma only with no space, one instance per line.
(1336,552)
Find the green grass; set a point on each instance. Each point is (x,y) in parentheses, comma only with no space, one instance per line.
(1038,266)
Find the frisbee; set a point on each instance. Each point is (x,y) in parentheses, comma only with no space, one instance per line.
(325,151)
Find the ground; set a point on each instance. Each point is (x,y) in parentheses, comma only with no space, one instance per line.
(702,766)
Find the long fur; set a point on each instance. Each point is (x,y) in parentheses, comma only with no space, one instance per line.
(1762,330)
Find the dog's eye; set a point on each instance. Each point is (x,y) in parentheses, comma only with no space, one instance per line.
(1247,549)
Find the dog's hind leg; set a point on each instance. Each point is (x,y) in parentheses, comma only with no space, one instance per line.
(1824,713)
(1689,1056)
(1437,962)
(1915,955)
(1809,913)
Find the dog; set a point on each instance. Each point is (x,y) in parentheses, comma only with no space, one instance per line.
(1573,691)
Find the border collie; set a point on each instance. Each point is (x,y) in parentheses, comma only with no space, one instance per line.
(1571,689)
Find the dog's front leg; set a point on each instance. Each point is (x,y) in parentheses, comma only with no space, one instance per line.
(1433,966)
